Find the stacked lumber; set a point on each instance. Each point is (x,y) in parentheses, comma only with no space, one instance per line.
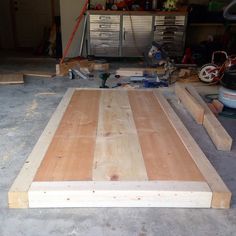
(117,148)
(63,68)
(204,115)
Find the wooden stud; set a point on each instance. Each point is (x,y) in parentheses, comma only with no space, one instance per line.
(218,105)
(194,108)
(221,195)
(215,130)
(120,194)
(18,193)
(13,78)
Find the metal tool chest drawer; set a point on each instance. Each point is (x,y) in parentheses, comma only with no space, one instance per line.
(117,34)
(105,50)
(105,19)
(169,31)
(104,27)
(105,35)
(170,20)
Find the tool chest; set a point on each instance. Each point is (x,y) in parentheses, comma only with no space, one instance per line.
(129,34)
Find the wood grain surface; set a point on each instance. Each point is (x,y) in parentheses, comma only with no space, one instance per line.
(118,155)
(164,154)
(70,155)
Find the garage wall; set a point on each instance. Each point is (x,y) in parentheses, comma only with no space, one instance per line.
(70,10)
(6,34)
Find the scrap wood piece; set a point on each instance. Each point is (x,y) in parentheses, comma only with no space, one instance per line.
(130,71)
(212,108)
(192,105)
(215,130)
(63,68)
(221,197)
(39,74)
(187,194)
(12,78)
(18,193)
(218,105)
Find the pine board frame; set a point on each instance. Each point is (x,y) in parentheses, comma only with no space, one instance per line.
(25,193)
(215,130)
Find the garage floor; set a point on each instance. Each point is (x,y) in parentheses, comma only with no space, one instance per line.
(24,113)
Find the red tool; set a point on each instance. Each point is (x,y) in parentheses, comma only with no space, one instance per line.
(84,9)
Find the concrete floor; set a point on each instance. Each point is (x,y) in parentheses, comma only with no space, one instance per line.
(24,113)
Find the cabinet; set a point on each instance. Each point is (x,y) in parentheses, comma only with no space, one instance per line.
(137,34)
(169,30)
(104,35)
(130,34)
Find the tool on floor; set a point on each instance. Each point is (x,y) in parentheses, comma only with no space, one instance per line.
(104,77)
(74,73)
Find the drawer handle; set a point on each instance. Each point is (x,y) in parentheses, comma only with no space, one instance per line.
(104,17)
(104,26)
(168,38)
(105,35)
(169,33)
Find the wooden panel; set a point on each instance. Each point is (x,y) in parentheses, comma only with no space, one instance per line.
(195,108)
(18,193)
(120,194)
(11,78)
(70,155)
(215,130)
(118,155)
(164,154)
(122,130)
(221,195)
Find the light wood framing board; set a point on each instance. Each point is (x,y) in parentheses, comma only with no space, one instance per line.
(120,172)
(215,130)
(14,78)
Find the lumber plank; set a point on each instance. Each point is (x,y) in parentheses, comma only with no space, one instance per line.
(70,154)
(221,195)
(120,194)
(18,193)
(11,78)
(192,105)
(215,130)
(118,155)
(130,71)
(218,105)
(164,155)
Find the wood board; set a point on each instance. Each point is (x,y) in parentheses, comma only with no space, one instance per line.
(12,78)
(117,148)
(215,130)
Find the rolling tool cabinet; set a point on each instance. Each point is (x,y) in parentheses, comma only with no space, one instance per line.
(130,34)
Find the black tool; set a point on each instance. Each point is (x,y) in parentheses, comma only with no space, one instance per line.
(104,77)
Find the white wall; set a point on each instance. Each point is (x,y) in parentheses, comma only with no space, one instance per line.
(70,11)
